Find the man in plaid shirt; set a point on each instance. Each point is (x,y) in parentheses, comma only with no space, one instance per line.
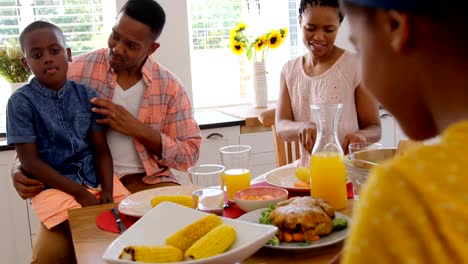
(152,128)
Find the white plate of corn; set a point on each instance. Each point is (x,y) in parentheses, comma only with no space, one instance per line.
(162,235)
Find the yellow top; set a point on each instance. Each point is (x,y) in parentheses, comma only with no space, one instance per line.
(414,209)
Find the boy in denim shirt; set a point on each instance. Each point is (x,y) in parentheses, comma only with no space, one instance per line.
(55,133)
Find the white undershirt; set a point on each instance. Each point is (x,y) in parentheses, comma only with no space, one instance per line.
(122,147)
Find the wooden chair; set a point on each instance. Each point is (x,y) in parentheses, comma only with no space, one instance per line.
(284,151)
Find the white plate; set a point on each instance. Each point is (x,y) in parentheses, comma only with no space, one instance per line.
(332,238)
(139,203)
(166,218)
(284,178)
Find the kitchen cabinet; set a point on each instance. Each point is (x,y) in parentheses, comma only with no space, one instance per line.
(15,235)
(212,140)
(391,130)
(263,151)
(388,124)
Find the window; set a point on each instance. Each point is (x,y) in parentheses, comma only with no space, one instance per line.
(216,71)
(83,22)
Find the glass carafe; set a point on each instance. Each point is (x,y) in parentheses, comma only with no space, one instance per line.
(327,169)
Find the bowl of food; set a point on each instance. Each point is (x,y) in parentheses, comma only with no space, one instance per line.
(259,197)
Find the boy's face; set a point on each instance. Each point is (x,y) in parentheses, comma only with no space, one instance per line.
(45,54)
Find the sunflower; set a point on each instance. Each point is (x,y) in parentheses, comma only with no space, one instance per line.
(284,32)
(260,43)
(237,47)
(232,35)
(274,39)
(241,26)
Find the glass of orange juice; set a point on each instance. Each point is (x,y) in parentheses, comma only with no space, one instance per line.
(236,176)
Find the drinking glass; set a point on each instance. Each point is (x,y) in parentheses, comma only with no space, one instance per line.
(206,175)
(359,179)
(236,176)
(210,200)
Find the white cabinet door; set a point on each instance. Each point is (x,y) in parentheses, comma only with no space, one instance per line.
(388,129)
(263,151)
(212,140)
(15,239)
(399,134)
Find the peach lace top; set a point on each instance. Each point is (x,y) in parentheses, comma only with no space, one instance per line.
(336,85)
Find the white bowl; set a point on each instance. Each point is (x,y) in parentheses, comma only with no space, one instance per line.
(243,202)
(166,218)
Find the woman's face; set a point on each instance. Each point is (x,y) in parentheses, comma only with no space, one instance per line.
(319,28)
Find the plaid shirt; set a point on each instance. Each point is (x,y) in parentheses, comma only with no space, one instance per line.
(165,108)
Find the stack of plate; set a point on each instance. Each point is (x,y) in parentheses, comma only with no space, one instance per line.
(359,165)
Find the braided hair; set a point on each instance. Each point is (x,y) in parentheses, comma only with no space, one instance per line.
(323,3)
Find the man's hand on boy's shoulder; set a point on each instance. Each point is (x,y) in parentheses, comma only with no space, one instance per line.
(117,116)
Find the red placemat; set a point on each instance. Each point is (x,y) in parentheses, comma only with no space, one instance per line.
(106,220)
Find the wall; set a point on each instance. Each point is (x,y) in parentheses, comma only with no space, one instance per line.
(174,52)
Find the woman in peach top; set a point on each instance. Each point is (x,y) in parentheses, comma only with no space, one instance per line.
(326,74)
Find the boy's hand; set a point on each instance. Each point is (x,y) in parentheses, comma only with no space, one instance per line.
(85,198)
(106,197)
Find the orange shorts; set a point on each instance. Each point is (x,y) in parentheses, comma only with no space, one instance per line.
(52,205)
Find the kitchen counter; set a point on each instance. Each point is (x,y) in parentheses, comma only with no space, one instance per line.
(207,119)
(250,115)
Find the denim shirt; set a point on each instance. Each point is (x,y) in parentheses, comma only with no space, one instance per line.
(58,122)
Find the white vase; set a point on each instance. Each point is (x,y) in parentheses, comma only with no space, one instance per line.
(16,86)
(260,94)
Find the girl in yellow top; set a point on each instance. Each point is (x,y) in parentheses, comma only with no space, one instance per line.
(413,58)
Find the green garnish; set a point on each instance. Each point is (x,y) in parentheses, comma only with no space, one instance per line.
(339,224)
(265,219)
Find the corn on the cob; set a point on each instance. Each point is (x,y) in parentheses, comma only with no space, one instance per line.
(213,243)
(186,236)
(184,200)
(303,174)
(152,254)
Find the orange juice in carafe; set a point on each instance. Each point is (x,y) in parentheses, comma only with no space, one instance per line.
(327,169)
(328,178)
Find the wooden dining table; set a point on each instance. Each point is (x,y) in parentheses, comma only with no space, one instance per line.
(90,241)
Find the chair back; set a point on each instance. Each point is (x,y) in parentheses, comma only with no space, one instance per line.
(285,152)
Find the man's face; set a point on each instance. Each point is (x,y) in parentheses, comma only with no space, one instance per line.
(45,54)
(129,44)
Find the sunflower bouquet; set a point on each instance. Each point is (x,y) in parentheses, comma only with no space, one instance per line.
(255,49)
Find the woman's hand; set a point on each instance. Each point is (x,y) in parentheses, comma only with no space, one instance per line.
(356,137)
(307,136)
(25,186)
